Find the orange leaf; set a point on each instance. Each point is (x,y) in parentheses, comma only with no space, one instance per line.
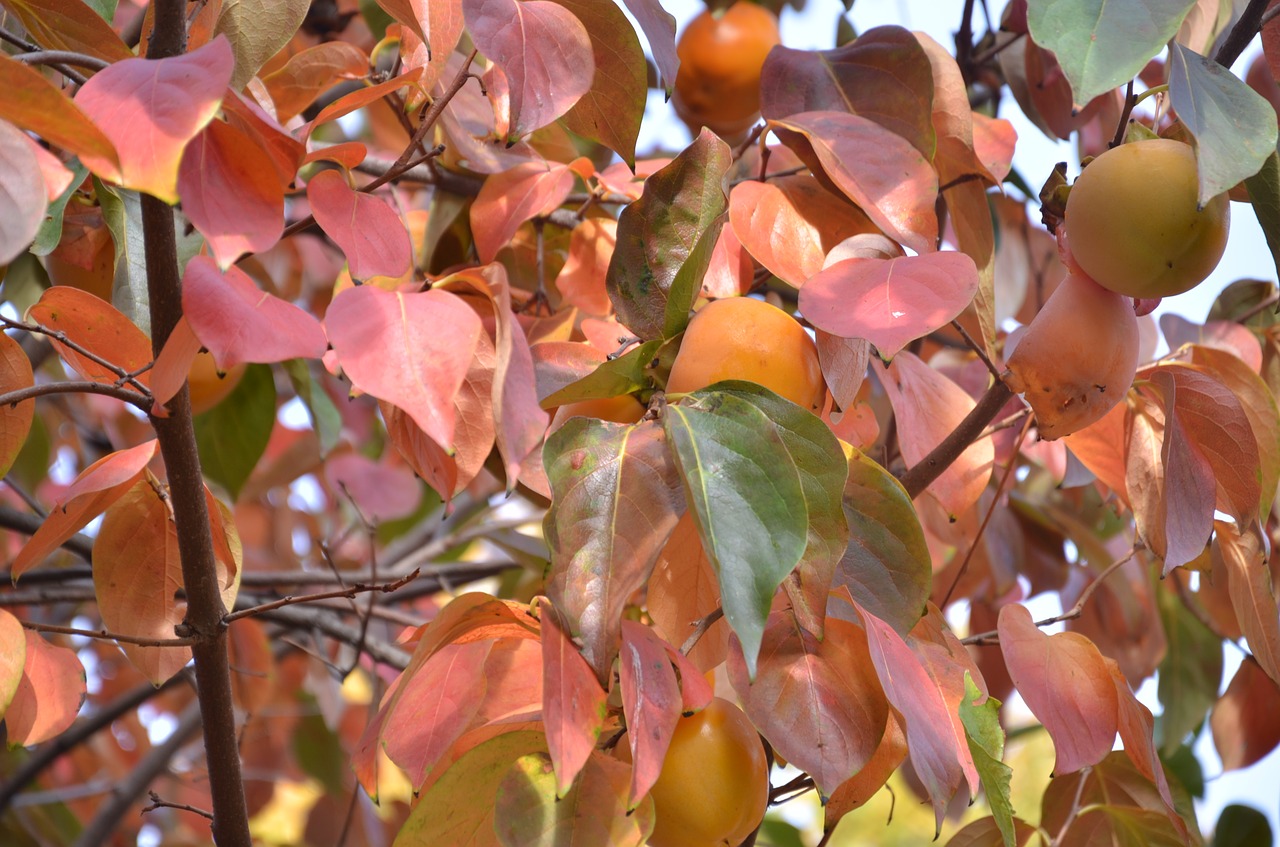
(682,590)
(365,227)
(1246,721)
(13,657)
(33,103)
(349,154)
(1136,726)
(69,25)
(1252,595)
(581,280)
(48,697)
(854,792)
(15,418)
(573,703)
(359,99)
(285,151)
(508,199)
(310,72)
(151,108)
(651,702)
(98,327)
(172,366)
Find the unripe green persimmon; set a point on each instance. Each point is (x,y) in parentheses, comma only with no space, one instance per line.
(1133,224)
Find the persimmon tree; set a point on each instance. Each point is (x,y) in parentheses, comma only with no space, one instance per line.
(439,536)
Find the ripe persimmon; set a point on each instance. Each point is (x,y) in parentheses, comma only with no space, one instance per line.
(624,408)
(208,387)
(1134,224)
(714,785)
(718,84)
(743,338)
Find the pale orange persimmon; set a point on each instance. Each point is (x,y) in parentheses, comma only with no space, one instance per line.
(743,338)
(624,408)
(718,84)
(714,785)
(208,387)
(96,279)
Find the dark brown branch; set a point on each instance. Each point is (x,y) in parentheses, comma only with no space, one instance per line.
(326,621)
(1122,126)
(107,635)
(32,47)
(125,377)
(11,518)
(1241,34)
(61,57)
(11,398)
(917,478)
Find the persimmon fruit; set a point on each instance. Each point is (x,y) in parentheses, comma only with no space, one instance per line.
(1077,358)
(743,338)
(1134,224)
(624,408)
(208,387)
(718,84)
(714,786)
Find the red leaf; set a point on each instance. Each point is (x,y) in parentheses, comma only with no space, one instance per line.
(22,192)
(15,418)
(818,702)
(349,154)
(873,167)
(729,272)
(508,199)
(285,151)
(172,366)
(1252,594)
(363,226)
(890,302)
(444,25)
(382,491)
(581,280)
(573,704)
(296,85)
(98,327)
(927,407)
(1136,726)
(682,590)
(1067,686)
(49,695)
(238,322)
(359,99)
(150,108)
(412,350)
(231,192)
(854,792)
(659,29)
(69,25)
(33,103)
(1246,721)
(651,703)
(541,48)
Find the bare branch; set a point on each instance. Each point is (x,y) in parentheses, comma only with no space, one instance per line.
(107,635)
(917,478)
(700,628)
(386,588)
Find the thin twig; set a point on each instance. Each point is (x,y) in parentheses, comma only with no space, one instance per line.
(1122,125)
(976,348)
(348,593)
(32,47)
(700,628)
(157,803)
(127,395)
(125,377)
(61,57)
(1073,811)
(107,635)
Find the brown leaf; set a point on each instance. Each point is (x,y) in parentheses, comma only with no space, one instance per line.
(1246,721)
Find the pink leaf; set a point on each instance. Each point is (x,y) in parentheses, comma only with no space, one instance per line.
(1221,335)
(381,491)
(650,702)
(172,366)
(660,30)
(238,322)
(1136,727)
(49,695)
(581,280)
(890,302)
(573,703)
(508,199)
(541,48)
(993,143)
(367,230)
(1067,686)
(22,192)
(231,192)
(412,350)
(149,109)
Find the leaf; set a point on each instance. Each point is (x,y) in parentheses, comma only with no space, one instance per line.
(362,97)
(626,374)
(22,193)
(1102,45)
(1226,336)
(508,199)
(1190,673)
(1136,726)
(1240,826)
(528,812)
(257,30)
(651,703)
(1252,595)
(927,407)
(573,703)
(581,280)
(1233,125)
(383,491)
(611,110)
(879,171)
(31,102)
(49,694)
(986,744)
(747,499)
(233,435)
(940,763)
(12,658)
(285,151)
(791,223)
(412,350)
(883,75)
(854,792)
(986,832)
(238,322)
(682,590)
(459,807)
(890,302)
(1264,196)
(615,499)
(541,48)
(231,193)
(295,86)
(97,327)
(818,702)
(367,230)
(97,486)
(844,367)
(69,25)
(150,108)
(1246,721)
(886,567)
(15,418)
(665,240)
(659,29)
(1066,684)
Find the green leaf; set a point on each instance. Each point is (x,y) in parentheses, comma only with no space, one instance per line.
(1241,826)
(318,751)
(823,470)
(50,232)
(257,30)
(1234,126)
(326,420)
(986,744)
(459,807)
(1264,194)
(105,8)
(775,832)
(886,567)
(660,258)
(1102,44)
(622,375)
(747,500)
(1186,768)
(233,435)
(1190,673)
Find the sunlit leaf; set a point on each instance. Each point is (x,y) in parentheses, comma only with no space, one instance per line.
(368,231)
(1246,721)
(307,74)
(22,192)
(15,418)
(508,199)
(651,703)
(95,326)
(13,657)
(49,694)
(682,590)
(854,792)
(573,703)
(31,102)
(256,30)
(1244,552)
(69,25)
(986,745)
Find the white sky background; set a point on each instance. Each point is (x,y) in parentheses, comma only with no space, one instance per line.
(1034,157)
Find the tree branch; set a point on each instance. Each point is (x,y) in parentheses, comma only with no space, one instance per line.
(61,57)
(12,398)
(917,478)
(106,635)
(1241,34)
(348,593)
(11,518)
